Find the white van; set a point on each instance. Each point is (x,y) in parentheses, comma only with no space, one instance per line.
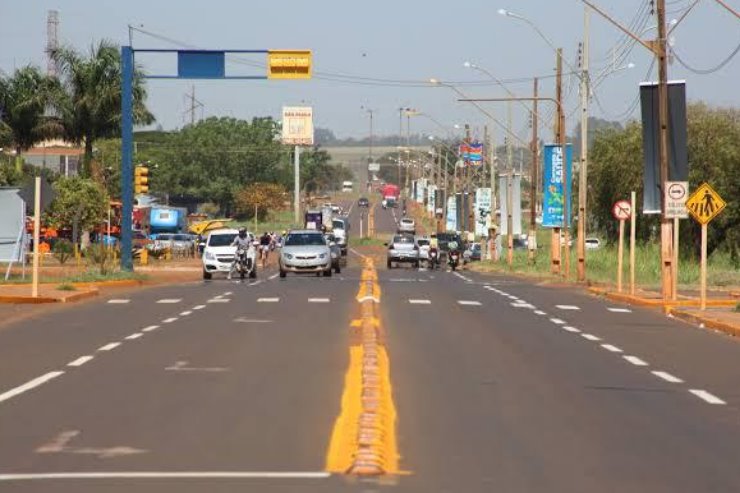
(347,186)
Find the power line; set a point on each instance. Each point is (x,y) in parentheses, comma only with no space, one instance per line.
(716,68)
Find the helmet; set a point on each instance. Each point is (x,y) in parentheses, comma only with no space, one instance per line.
(285,232)
(242,232)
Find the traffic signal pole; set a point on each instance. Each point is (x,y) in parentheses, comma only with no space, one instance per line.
(127,161)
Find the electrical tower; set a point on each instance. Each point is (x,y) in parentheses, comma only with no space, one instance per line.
(52,42)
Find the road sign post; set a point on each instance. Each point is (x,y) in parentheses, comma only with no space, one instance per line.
(676,193)
(704,205)
(36,229)
(633,228)
(622,211)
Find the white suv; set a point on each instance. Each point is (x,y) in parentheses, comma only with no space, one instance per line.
(218,254)
(406,225)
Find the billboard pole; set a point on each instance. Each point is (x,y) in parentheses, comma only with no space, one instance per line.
(297,185)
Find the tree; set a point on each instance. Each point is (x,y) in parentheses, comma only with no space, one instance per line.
(90,104)
(78,200)
(262,197)
(24,98)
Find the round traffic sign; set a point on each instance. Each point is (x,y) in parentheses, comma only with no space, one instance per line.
(676,191)
(621,210)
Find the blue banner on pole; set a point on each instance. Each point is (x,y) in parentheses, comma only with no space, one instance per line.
(553,199)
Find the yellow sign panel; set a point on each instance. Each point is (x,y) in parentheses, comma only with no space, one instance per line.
(289,64)
(705,204)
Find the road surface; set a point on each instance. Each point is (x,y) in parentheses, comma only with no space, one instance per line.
(498,385)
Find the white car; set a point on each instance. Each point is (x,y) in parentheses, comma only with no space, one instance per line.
(218,254)
(592,243)
(406,225)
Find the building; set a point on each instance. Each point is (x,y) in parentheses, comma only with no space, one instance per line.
(59,156)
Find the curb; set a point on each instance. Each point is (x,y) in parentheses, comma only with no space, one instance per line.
(706,323)
(658,303)
(30,300)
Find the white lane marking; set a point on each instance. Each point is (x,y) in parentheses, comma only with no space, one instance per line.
(169,301)
(590,337)
(218,300)
(150,328)
(169,320)
(268,300)
(227,293)
(368,298)
(521,304)
(168,475)
(612,348)
(468,303)
(540,312)
(635,360)
(273,276)
(571,329)
(567,307)
(420,302)
(185,313)
(620,310)
(118,301)
(707,397)
(667,376)
(557,321)
(199,307)
(133,336)
(31,384)
(80,361)
(319,300)
(108,347)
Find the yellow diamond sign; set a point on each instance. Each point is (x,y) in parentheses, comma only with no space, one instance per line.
(704,204)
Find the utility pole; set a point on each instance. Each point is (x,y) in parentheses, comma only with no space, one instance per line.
(400,142)
(666,225)
(194,105)
(534,179)
(556,251)
(566,175)
(466,185)
(408,148)
(583,172)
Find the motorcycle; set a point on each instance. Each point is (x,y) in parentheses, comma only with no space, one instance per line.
(453,259)
(433,258)
(244,263)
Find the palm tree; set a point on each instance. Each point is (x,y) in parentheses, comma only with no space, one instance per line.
(24,100)
(91,108)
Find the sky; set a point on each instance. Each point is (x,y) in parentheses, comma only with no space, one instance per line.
(362,49)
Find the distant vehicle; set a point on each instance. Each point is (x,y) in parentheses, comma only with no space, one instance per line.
(402,249)
(521,243)
(313,219)
(472,253)
(592,243)
(444,238)
(218,254)
(363,202)
(336,253)
(305,251)
(340,229)
(407,225)
(347,186)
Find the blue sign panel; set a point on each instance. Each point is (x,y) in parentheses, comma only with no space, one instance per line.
(553,199)
(201,64)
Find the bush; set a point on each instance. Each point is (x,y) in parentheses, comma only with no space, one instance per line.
(102,256)
(63,250)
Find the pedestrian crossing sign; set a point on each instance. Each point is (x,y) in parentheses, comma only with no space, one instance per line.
(705,204)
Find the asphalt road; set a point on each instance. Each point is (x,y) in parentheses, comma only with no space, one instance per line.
(499,385)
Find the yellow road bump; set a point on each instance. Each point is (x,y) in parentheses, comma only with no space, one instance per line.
(363,440)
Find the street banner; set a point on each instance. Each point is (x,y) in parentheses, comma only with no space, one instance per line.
(475,153)
(431,198)
(516,200)
(451,214)
(464,151)
(298,125)
(678,163)
(553,200)
(482,211)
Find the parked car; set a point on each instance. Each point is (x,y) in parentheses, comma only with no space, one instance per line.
(402,249)
(592,243)
(472,253)
(363,202)
(218,254)
(407,225)
(337,260)
(305,251)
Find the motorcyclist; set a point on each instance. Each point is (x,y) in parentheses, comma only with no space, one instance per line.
(242,241)
(434,248)
(452,247)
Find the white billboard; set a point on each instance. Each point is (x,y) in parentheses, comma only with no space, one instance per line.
(298,125)
(483,200)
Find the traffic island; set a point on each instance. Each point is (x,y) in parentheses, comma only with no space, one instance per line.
(720,319)
(65,293)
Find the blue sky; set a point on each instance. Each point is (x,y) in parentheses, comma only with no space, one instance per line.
(390,40)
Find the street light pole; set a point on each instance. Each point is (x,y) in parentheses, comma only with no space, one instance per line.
(534,178)
(583,171)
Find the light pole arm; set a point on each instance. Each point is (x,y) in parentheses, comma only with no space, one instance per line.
(619,26)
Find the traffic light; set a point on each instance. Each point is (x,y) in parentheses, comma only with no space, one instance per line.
(141,180)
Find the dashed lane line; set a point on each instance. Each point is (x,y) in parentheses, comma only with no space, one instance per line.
(219,300)
(539,312)
(420,302)
(199,307)
(319,300)
(468,303)
(109,347)
(186,313)
(667,376)
(268,300)
(707,397)
(80,361)
(590,337)
(619,310)
(570,328)
(567,307)
(169,320)
(635,360)
(150,328)
(273,277)
(557,321)
(31,384)
(169,301)
(116,301)
(611,348)
(133,336)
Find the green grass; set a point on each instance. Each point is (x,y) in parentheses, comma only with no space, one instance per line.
(95,276)
(601,265)
(277,221)
(66,287)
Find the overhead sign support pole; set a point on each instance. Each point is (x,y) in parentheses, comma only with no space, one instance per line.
(127,158)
